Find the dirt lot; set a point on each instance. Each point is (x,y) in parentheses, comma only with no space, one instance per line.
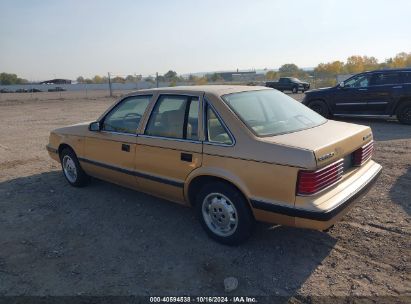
(107,240)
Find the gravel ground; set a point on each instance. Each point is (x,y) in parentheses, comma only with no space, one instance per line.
(107,240)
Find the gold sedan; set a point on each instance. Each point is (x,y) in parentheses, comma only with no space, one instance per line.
(236,153)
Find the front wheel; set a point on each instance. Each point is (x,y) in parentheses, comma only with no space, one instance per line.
(404,113)
(295,90)
(320,107)
(72,170)
(224,213)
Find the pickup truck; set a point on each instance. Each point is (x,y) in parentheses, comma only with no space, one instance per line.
(288,84)
(380,93)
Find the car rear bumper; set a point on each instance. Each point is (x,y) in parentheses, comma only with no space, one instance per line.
(340,203)
(326,214)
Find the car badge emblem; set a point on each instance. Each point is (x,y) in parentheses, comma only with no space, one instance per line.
(326,156)
(366,136)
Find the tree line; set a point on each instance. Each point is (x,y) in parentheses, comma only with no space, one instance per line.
(6,79)
(170,76)
(323,73)
(358,64)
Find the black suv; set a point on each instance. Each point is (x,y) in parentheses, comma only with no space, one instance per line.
(383,93)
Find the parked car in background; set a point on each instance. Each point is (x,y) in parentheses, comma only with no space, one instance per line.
(21,91)
(34,90)
(288,84)
(6,91)
(381,93)
(57,89)
(235,153)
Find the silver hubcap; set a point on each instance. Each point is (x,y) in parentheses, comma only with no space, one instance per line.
(220,214)
(69,168)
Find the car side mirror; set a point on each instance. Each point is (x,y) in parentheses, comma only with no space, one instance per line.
(94,126)
(342,84)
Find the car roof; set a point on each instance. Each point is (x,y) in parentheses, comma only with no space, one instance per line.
(390,70)
(213,89)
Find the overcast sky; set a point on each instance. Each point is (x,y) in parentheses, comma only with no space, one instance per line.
(42,39)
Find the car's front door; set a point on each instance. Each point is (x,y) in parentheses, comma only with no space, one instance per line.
(110,152)
(170,147)
(352,97)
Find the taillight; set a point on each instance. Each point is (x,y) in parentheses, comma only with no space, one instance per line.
(363,154)
(311,182)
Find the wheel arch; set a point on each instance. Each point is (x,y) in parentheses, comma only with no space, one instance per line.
(399,103)
(197,179)
(63,146)
(321,100)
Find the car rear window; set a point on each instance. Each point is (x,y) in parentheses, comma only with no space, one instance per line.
(270,112)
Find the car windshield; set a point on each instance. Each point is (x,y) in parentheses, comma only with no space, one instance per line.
(295,79)
(270,112)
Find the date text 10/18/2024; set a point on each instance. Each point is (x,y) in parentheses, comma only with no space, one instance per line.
(187,299)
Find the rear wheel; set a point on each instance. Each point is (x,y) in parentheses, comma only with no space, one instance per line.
(224,213)
(404,113)
(72,170)
(320,107)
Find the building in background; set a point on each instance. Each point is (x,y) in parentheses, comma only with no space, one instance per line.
(237,76)
(56,81)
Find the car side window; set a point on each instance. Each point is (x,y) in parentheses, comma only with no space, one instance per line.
(125,117)
(390,78)
(406,77)
(360,81)
(216,132)
(174,116)
(192,119)
(385,78)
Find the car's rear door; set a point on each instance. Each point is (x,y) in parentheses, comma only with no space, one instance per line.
(169,148)
(110,152)
(383,88)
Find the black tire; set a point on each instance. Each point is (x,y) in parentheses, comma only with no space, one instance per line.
(80,178)
(295,90)
(404,113)
(320,107)
(233,199)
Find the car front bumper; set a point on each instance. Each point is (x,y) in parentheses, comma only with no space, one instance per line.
(53,153)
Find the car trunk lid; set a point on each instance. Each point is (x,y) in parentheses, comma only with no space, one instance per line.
(329,142)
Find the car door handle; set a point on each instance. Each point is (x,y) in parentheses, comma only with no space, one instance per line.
(397,87)
(187,157)
(362,89)
(125,147)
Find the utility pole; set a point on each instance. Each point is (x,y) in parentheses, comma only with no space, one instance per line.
(157,78)
(109,85)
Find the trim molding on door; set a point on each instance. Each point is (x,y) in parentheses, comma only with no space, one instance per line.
(350,103)
(134,173)
(364,115)
(377,102)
